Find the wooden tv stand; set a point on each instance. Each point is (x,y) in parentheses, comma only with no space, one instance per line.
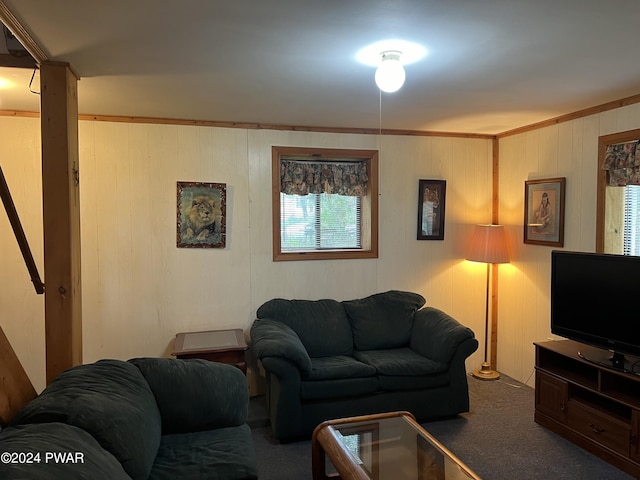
(593,406)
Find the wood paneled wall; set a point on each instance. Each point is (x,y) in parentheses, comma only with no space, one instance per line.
(139,290)
(568,149)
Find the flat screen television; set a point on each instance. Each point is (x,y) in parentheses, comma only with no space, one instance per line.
(595,300)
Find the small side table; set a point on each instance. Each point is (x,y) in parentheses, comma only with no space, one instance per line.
(225,346)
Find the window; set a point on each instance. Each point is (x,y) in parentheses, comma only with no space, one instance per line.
(319,222)
(325,203)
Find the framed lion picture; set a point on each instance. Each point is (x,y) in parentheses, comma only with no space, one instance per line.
(201,215)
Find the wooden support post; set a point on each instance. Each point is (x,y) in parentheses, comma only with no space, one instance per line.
(495,208)
(61,217)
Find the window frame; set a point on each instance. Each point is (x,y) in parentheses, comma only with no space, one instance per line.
(602,182)
(369,206)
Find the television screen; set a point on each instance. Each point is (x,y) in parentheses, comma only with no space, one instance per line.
(595,299)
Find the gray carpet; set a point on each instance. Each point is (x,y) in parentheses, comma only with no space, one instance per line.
(497,439)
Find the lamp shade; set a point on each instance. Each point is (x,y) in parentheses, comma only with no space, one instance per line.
(390,75)
(488,245)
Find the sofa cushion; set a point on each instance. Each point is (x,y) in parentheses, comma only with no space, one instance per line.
(193,395)
(220,454)
(383,320)
(338,388)
(400,361)
(314,321)
(90,460)
(109,399)
(340,366)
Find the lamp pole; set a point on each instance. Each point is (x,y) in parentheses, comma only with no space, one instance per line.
(485,372)
(488,245)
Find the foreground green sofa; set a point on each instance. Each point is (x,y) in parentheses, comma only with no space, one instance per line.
(148,418)
(327,359)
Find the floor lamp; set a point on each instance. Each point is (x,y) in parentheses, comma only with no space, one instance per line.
(488,245)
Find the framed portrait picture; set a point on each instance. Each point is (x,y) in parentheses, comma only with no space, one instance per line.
(201,215)
(431,202)
(544,212)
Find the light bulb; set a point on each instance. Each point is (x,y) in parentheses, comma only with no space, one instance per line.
(390,74)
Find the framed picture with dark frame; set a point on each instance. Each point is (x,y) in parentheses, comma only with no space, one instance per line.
(201,215)
(431,202)
(544,211)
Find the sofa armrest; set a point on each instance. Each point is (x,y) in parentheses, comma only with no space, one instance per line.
(196,395)
(438,336)
(270,338)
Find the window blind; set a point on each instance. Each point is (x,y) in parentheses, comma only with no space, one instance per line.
(631,234)
(319,222)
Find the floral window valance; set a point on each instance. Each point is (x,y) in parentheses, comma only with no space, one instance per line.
(299,177)
(623,162)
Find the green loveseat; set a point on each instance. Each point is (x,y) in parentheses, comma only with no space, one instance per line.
(327,359)
(148,418)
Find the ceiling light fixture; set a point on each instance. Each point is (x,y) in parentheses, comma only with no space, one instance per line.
(390,74)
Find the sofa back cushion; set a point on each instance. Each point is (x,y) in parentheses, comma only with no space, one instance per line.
(322,325)
(195,395)
(383,320)
(110,400)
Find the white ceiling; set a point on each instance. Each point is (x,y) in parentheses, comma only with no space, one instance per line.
(493,65)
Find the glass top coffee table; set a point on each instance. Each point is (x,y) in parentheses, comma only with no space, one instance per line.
(386,446)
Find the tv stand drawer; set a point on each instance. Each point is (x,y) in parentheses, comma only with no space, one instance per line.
(598,426)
